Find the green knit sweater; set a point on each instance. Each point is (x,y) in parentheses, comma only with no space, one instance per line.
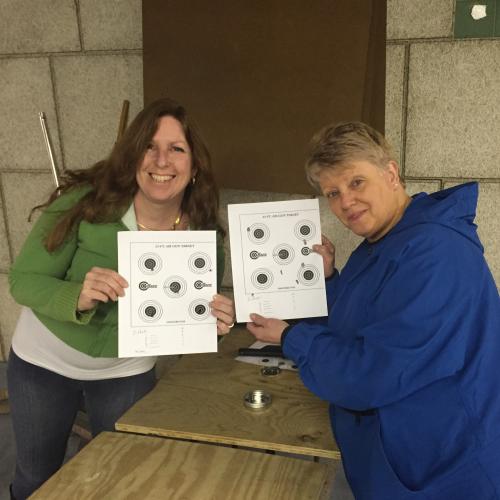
(50,283)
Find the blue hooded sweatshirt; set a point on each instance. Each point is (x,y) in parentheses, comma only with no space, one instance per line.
(409,357)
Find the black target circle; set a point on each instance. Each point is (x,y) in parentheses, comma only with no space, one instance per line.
(200,263)
(199,309)
(283,254)
(150,263)
(175,286)
(258,233)
(305,230)
(308,275)
(262,278)
(150,311)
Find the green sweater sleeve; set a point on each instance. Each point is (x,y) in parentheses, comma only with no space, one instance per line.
(37,277)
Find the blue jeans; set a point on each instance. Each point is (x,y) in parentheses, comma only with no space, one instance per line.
(43,407)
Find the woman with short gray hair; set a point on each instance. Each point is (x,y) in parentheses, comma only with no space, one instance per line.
(408,355)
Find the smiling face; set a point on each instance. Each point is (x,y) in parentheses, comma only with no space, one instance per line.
(166,168)
(367,199)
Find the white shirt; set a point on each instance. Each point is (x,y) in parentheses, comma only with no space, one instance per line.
(35,343)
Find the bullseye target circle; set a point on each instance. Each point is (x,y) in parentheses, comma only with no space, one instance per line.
(258,233)
(175,286)
(199,309)
(308,275)
(304,230)
(200,263)
(283,254)
(150,311)
(262,278)
(150,263)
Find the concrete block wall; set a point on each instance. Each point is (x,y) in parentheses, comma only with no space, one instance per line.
(77,60)
(443,107)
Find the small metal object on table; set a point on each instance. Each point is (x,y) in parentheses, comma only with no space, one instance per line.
(257,400)
(200,398)
(270,371)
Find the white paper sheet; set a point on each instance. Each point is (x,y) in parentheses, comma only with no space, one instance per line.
(172,277)
(275,272)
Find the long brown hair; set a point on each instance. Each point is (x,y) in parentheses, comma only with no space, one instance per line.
(113,182)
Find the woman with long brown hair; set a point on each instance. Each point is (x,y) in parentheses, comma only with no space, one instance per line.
(157,177)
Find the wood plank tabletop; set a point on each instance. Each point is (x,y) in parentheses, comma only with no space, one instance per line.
(119,465)
(201,398)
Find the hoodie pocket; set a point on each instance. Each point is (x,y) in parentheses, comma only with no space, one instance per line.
(368,470)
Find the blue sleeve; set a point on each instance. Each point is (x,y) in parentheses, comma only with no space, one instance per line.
(415,331)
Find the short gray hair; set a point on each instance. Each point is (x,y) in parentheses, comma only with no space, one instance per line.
(343,143)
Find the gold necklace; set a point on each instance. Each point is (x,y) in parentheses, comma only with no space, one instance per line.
(174,225)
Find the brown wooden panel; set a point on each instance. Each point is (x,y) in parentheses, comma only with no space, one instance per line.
(261,77)
(201,398)
(118,466)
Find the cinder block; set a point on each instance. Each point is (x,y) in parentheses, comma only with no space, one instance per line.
(4,249)
(488,225)
(9,312)
(111,24)
(419,18)
(414,187)
(22,193)
(232,196)
(90,92)
(394,83)
(453,110)
(25,90)
(29,26)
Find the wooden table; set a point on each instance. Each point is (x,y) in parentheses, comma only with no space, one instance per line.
(201,398)
(118,465)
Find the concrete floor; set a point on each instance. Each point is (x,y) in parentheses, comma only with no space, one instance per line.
(7,455)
